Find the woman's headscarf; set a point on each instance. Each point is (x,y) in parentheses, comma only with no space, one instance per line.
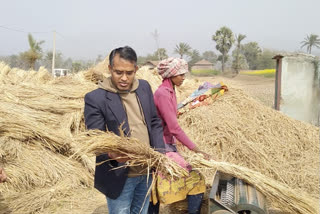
(172,67)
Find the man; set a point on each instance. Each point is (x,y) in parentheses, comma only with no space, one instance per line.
(122,99)
(3,176)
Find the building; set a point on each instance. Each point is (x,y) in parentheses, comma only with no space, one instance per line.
(202,65)
(151,64)
(297,86)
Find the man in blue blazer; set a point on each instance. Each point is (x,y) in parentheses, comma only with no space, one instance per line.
(123,99)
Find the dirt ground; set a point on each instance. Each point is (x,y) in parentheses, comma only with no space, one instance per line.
(258,87)
(90,201)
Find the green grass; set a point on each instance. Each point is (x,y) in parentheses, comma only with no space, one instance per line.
(204,72)
(270,75)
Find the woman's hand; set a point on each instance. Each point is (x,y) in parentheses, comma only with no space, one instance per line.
(3,176)
(205,155)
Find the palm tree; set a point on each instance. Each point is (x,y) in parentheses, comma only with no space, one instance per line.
(34,53)
(224,39)
(182,49)
(237,65)
(161,53)
(195,57)
(312,40)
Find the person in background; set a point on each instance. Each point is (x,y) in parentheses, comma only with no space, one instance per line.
(124,100)
(173,71)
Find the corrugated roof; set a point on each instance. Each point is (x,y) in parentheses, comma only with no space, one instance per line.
(155,63)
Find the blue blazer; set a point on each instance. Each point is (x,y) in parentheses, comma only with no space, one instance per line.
(104,109)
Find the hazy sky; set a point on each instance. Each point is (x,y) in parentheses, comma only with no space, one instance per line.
(88,28)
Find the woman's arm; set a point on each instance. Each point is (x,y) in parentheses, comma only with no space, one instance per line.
(168,112)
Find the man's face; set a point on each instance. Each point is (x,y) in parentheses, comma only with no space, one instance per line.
(122,73)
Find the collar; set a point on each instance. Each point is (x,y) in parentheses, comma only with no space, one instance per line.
(166,83)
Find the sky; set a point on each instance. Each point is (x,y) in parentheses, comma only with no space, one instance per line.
(86,28)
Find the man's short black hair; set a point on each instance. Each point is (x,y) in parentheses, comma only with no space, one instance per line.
(125,52)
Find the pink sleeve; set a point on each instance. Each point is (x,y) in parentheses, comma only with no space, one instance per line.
(168,113)
(176,157)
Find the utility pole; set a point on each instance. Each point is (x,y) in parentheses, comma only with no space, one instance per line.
(53,52)
(155,35)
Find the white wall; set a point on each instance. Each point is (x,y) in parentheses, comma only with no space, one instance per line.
(299,92)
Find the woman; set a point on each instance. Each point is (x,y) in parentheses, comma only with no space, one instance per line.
(173,71)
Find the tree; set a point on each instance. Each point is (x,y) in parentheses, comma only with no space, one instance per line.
(312,40)
(99,59)
(238,61)
(210,56)
(220,58)
(251,51)
(34,53)
(182,49)
(47,61)
(224,39)
(141,60)
(195,57)
(76,66)
(67,63)
(82,65)
(13,61)
(265,60)
(161,54)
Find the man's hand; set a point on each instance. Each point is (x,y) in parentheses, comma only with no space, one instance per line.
(3,176)
(116,156)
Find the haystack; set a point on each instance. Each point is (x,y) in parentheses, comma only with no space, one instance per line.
(41,128)
(37,116)
(41,122)
(240,130)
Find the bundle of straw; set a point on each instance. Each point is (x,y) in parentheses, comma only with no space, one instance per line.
(37,199)
(98,142)
(278,193)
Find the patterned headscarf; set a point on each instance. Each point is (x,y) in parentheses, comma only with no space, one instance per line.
(172,67)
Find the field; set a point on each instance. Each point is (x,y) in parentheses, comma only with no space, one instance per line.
(265,73)
(204,72)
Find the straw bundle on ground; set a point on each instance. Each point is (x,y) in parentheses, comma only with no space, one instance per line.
(17,76)
(34,166)
(38,117)
(37,199)
(34,173)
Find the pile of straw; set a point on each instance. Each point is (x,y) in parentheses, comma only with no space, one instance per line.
(239,130)
(47,152)
(41,128)
(38,114)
